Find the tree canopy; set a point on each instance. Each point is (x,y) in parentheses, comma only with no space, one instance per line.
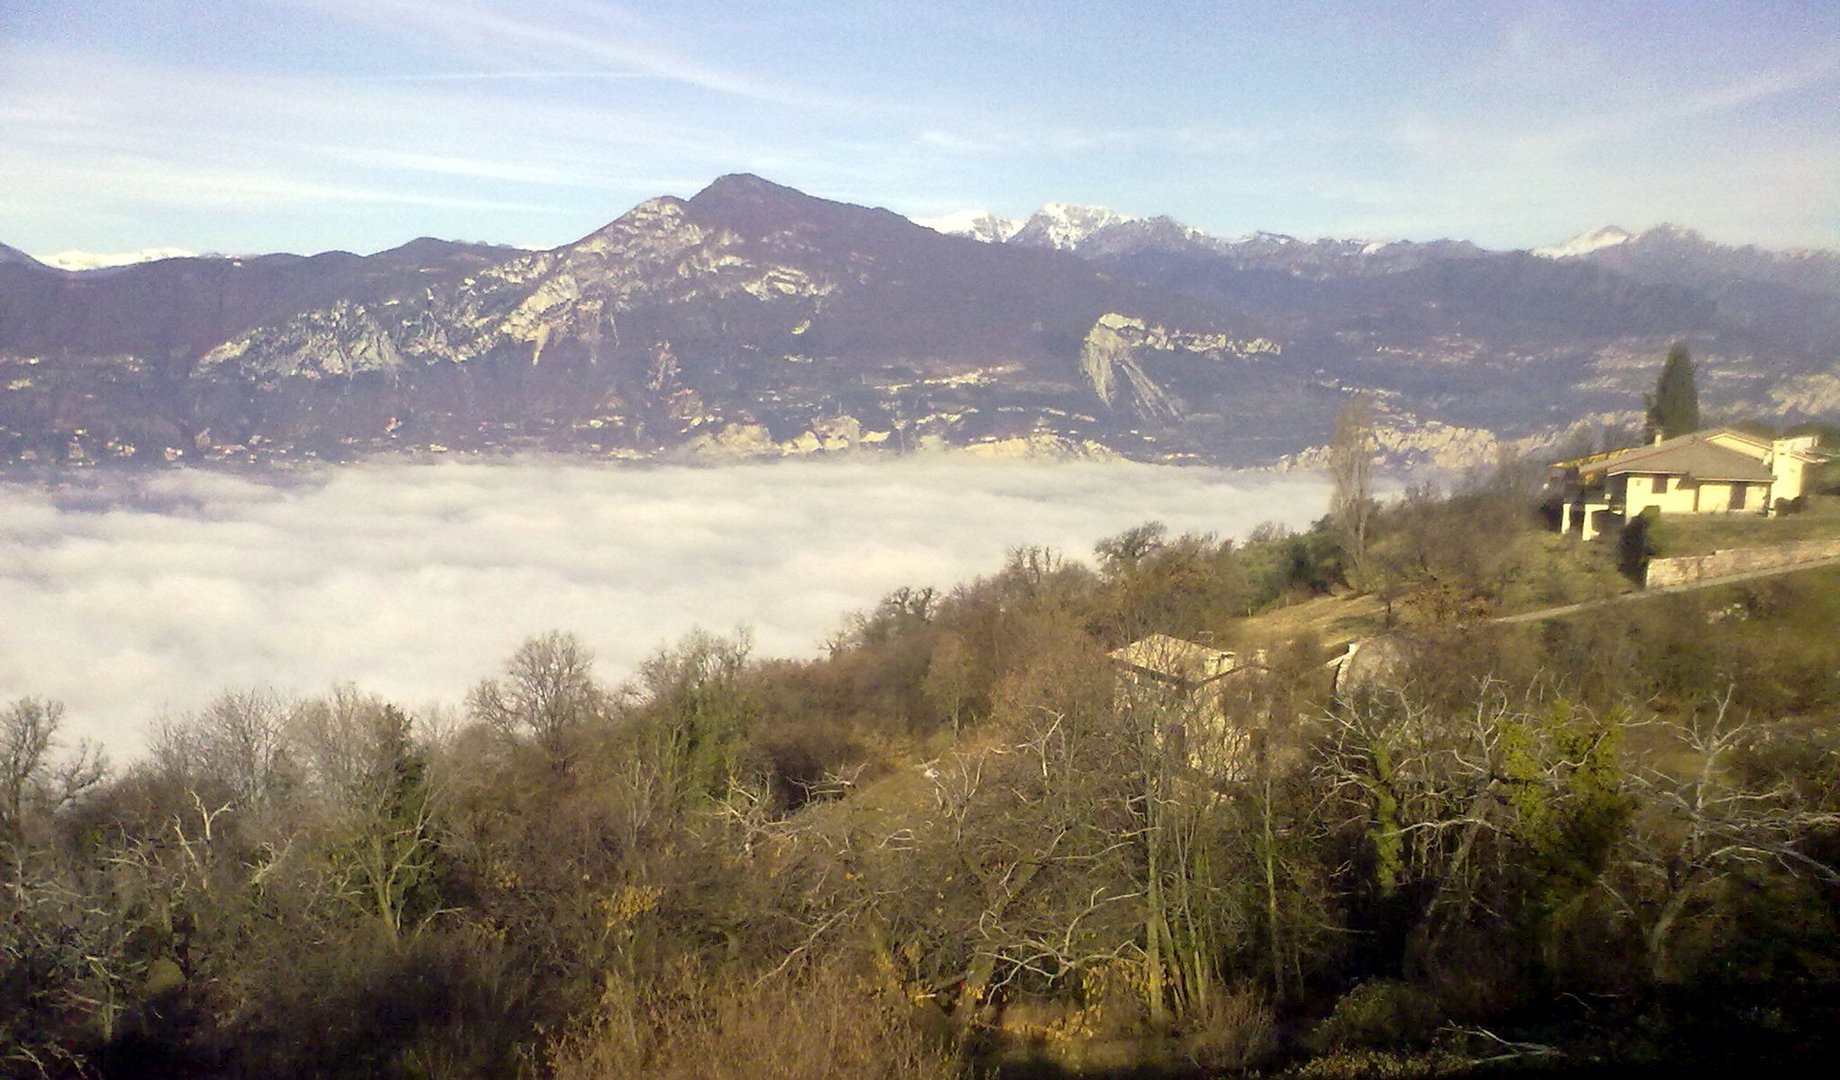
(965,839)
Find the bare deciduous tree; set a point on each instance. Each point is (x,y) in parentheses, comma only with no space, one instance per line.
(342,740)
(1704,832)
(1507,813)
(546,693)
(31,779)
(1121,554)
(1351,462)
(237,743)
(949,681)
(378,804)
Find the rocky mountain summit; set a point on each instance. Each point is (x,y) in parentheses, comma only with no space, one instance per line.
(756,320)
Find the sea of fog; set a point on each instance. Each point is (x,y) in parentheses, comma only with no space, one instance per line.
(130,596)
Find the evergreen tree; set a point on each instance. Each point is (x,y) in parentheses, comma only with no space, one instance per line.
(1673,409)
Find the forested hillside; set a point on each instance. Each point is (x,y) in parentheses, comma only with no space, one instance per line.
(960,842)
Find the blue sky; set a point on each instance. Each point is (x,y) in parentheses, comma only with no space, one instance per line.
(255,125)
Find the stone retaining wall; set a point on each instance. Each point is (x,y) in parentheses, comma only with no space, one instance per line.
(1686,569)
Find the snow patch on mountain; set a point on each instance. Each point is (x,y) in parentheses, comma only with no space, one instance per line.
(1585,243)
(1062,226)
(90,260)
(1099,231)
(1065,226)
(977,224)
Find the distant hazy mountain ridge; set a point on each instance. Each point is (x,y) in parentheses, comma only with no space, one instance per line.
(756,320)
(12,256)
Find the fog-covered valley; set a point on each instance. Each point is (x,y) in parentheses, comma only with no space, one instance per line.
(132,594)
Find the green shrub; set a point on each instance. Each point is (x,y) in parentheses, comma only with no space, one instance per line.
(1381,1013)
(1641,538)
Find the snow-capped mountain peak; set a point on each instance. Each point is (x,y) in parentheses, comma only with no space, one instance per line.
(1262,240)
(1065,226)
(1585,243)
(976,224)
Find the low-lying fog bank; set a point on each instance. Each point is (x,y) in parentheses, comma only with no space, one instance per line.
(129,595)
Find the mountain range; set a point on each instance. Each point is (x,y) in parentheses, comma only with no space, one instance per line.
(755,320)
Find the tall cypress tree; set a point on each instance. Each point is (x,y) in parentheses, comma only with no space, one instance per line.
(1673,409)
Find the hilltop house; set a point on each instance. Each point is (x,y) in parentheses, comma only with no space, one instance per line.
(1720,471)
(1187,679)
(1185,666)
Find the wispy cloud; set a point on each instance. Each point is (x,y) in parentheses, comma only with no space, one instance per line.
(1821,66)
(149,593)
(148,141)
(472,166)
(1661,109)
(500,76)
(564,32)
(475,110)
(1633,152)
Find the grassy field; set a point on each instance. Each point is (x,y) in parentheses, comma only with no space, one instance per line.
(1333,620)
(1700,534)
(1556,570)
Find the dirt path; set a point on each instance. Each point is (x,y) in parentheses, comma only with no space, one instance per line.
(1643,594)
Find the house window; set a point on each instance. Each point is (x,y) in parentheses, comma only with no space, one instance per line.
(1661,485)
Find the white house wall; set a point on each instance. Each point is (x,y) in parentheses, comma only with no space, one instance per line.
(1667,494)
(1789,469)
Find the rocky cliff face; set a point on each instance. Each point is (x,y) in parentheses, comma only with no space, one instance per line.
(754,320)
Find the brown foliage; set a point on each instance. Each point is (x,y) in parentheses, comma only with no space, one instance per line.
(813,1023)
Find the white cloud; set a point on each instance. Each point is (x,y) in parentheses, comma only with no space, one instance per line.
(94,260)
(127,597)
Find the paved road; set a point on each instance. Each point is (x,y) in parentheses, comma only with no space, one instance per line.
(1644,594)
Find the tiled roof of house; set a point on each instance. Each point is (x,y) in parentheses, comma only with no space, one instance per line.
(1174,658)
(1692,455)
